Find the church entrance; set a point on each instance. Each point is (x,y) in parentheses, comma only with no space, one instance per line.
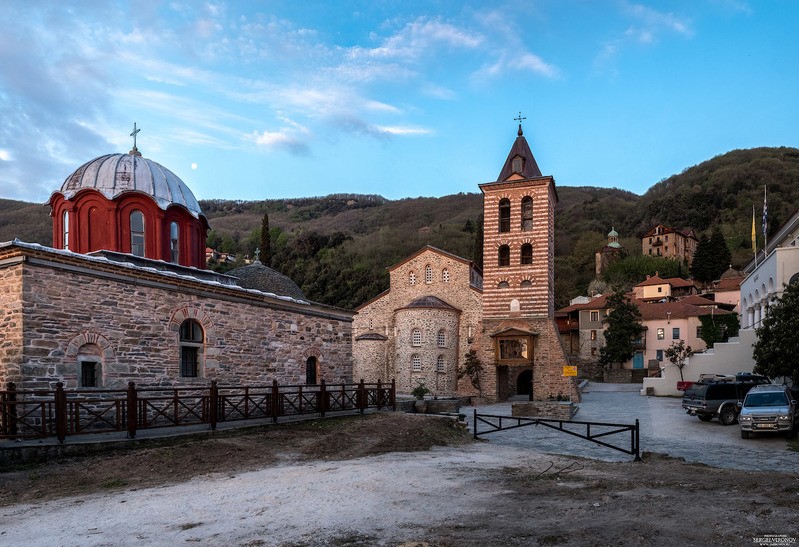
(524,382)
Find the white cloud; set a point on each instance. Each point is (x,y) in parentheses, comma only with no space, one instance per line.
(524,62)
(5,155)
(399,130)
(422,37)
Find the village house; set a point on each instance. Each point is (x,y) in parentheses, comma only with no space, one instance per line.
(670,243)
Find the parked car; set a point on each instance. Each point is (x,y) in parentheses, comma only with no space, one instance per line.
(719,396)
(769,409)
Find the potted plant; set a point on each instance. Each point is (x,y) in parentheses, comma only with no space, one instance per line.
(419,392)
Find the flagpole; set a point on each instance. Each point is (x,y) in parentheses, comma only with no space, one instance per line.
(765,222)
(754,235)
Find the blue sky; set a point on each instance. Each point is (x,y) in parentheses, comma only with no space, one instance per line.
(272,99)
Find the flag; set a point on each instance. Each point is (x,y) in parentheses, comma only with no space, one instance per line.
(754,234)
(765,212)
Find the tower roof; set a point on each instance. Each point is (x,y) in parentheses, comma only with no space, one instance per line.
(263,278)
(113,174)
(529,168)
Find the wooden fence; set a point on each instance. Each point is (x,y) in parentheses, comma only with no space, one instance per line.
(61,412)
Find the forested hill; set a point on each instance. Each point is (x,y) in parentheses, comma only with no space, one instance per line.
(337,248)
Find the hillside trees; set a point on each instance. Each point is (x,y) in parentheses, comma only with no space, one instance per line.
(712,257)
(627,272)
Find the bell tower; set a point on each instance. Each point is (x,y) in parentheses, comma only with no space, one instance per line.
(520,338)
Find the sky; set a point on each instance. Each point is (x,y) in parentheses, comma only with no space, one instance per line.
(274,99)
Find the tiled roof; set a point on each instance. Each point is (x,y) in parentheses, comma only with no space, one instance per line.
(529,166)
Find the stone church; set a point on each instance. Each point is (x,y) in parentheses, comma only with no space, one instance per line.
(123,295)
(439,306)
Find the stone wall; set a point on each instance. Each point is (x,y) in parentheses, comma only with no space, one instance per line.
(10,324)
(429,322)
(450,282)
(133,325)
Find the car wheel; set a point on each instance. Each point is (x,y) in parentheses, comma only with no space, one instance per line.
(705,417)
(728,416)
(744,434)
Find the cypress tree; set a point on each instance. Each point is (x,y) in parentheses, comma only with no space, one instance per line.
(266,241)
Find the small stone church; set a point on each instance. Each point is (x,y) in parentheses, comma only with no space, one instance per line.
(123,295)
(440,306)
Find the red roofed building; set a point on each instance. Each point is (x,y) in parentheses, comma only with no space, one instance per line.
(670,243)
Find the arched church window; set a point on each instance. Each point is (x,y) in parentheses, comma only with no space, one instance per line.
(504,215)
(310,371)
(440,364)
(442,338)
(65,223)
(428,274)
(137,233)
(90,366)
(412,278)
(504,255)
(174,242)
(416,363)
(503,285)
(527,213)
(416,337)
(527,254)
(191,344)
(445,275)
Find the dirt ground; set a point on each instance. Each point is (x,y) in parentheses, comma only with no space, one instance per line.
(487,495)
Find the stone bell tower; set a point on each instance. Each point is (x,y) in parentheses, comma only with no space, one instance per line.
(520,345)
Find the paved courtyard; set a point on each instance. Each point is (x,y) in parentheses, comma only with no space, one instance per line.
(664,428)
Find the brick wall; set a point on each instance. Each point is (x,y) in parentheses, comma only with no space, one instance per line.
(134,328)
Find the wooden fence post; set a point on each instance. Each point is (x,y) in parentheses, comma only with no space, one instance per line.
(133,410)
(60,412)
(393,395)
(275,401)
(361,396)
(8,412)
(379,394)
(213,395)
(322,398)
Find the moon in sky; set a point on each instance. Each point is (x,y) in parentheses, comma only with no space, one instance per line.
(194,166)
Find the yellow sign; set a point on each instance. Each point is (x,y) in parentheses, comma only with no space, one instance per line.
(570,370)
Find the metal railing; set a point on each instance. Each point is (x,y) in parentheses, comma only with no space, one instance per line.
(494,424)
(64,412)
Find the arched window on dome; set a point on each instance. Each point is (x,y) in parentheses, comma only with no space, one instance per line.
(191,344)
(504,215)
(527,213)
(527,254)
(65,230)
(174,242)
(137,233)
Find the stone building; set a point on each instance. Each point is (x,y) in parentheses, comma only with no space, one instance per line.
(670,243)
(120,313)
(608,254)
(418,330)
(510,324)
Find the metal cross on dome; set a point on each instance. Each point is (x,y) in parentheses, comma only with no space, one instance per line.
(136,132)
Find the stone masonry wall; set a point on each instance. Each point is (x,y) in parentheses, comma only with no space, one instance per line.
(135,329)
(380,315)
(10,324)
(429,322)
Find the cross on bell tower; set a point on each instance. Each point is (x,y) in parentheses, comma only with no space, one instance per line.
(135,151)
(519,118)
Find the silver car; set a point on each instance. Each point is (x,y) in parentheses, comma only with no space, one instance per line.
(768,409)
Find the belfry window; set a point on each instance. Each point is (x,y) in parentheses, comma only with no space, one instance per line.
(191,343)
(527,254)
(137,233)
(504,255)
(517,164)
(527,213)
(66,230)
(174,242)
(504,215)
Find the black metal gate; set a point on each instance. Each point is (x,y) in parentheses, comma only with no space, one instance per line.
(495,423)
